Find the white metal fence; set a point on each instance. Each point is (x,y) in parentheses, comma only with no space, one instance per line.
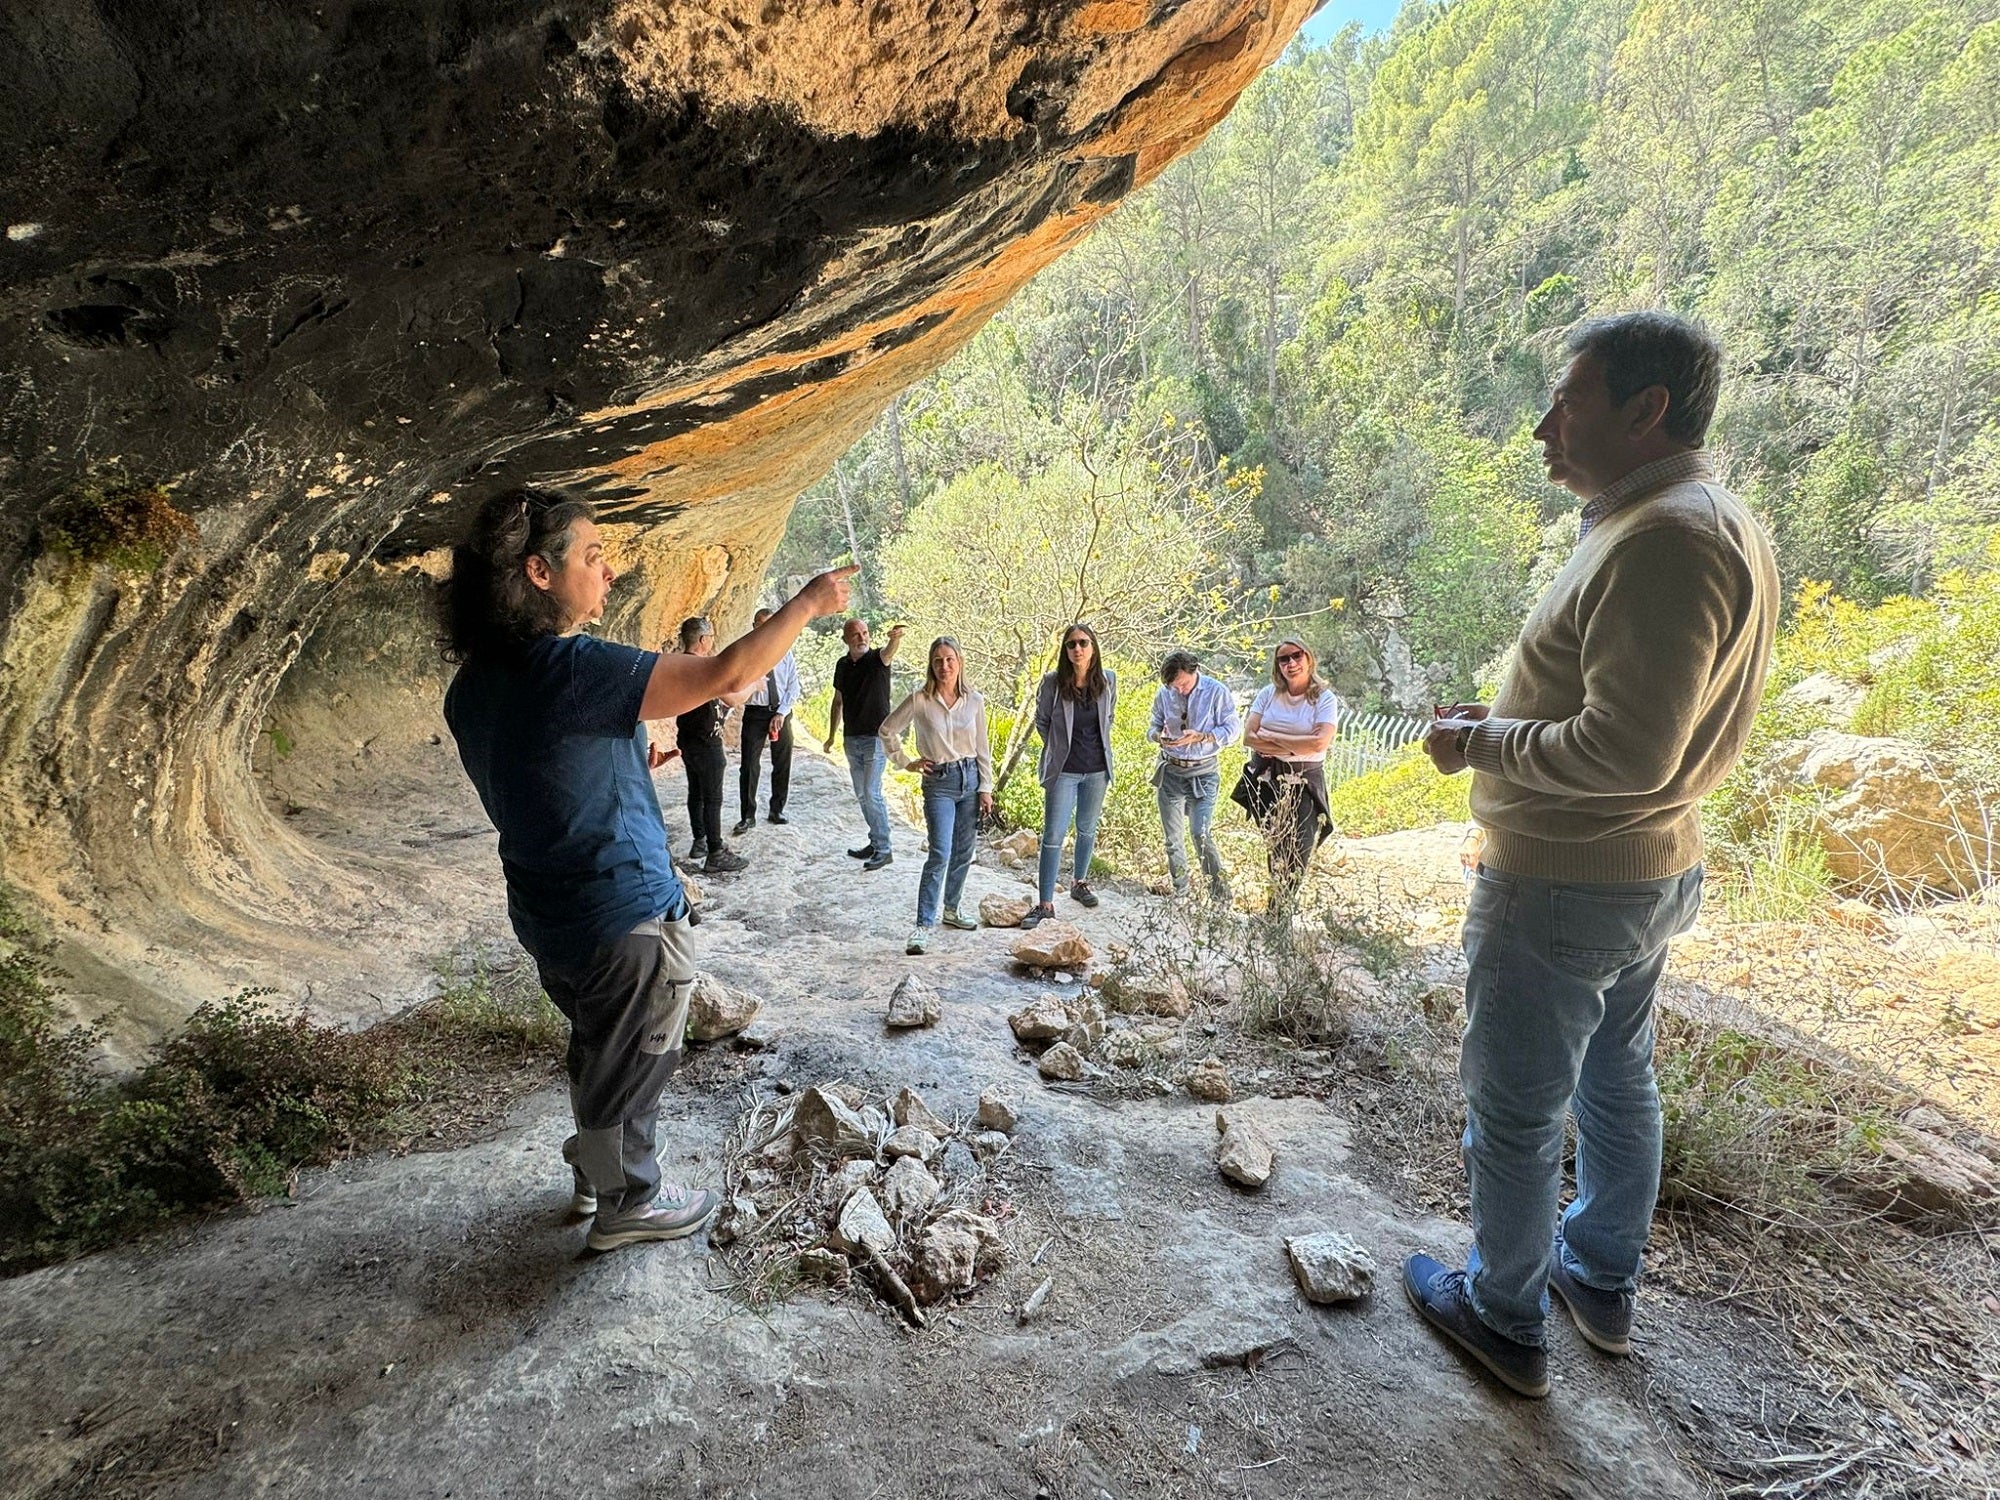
(1367,742)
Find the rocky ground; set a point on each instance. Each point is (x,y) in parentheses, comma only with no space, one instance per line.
(431,1325)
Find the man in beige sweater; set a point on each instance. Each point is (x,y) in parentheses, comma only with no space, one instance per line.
(1629,697)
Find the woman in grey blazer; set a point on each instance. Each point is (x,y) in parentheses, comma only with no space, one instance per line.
(1073,718)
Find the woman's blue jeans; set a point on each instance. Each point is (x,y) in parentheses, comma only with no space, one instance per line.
(1073,794)
(951,820)
(1559,1017)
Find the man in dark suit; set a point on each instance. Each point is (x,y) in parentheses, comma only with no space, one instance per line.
(767,720)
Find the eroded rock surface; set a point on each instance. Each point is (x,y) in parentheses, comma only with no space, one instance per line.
(320,279)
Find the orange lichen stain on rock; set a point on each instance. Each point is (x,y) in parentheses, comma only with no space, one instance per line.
(1112,17)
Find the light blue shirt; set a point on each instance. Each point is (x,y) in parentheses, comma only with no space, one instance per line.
(1209,710)
(789,689)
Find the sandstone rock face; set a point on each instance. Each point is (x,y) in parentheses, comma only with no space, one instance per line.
(333,277)
(1893,818)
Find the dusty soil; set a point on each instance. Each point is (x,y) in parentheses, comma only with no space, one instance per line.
(431,1325)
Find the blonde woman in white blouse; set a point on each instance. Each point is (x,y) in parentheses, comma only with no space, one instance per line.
(956,760)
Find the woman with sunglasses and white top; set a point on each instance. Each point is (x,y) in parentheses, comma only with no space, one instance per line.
(1290,725)
(957,765)
(1073,717)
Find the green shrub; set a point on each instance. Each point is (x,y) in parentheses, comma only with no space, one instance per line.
(1406,793)
(227,1109)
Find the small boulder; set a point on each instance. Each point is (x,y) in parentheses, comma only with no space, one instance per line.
(1245,1155)
(985,1231)
(1123,1049)
(944,1264)
(828,1267)
(909,1188)
(1041,1018)
(914,1002)
(909,1109)
(862,1225)
(1330,1266)
(908,1140)
(824,1123)
(1004,911)
(1022,843)
(987,1144)
(1062,1063)
(1149,994)
(996,1112)
(717,1010)
(1053,945)
(1209,1080)
(960,1165)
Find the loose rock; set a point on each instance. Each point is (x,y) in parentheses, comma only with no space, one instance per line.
(1004,911)
(1039,1019)
(909,1109)
(1062,1063)
(1330,1266)
(960,1165)
(862,1225)
(944,1263)
(996,1112)
(915,1002)
(909,1188)
(990,1143)
(985,1231)
(716,1010)
(1209,1080)
(1149,994)
(827,1266)
(908,1140)
(1053,945)
(1245,1155)
(824,1123)
(1037,1299)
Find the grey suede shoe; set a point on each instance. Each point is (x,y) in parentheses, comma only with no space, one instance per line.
(676,1213)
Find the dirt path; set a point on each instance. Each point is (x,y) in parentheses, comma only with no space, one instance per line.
(430,1325)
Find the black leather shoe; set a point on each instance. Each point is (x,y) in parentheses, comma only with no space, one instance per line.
(877,861)
(778,818)
(866,851)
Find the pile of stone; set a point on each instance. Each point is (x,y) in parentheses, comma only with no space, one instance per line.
(840,1187)
(1128,1020)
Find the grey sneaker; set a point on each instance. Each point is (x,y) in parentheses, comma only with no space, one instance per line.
(676,1213)
(1038,915)
(724,861)
(1081,891)
(954,918)
(1603,1318)
(919,941)
(582,1197)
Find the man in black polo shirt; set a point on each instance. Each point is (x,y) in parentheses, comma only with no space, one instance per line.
(861,693)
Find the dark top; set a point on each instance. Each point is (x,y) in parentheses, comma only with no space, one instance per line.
(554,746)
(700,726)
(863,685)
(1086,741)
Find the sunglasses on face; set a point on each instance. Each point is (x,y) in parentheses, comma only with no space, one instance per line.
(1078,644)
(1288,657)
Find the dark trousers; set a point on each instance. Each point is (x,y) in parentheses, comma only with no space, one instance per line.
(627,1008)
(1293,826)
(756,737)
(707,768)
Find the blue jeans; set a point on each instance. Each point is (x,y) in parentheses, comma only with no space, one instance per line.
(864,769)
(1559,1017)
(951,819)
(1188,801)
(1073,794)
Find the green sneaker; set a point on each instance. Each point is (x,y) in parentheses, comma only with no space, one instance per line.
(954,918)
(919,941)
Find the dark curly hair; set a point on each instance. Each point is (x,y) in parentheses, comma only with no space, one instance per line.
(489,606)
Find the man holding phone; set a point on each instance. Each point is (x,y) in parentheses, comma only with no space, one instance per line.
(1628,698)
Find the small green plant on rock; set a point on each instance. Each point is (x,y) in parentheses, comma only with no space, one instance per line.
(118,523)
